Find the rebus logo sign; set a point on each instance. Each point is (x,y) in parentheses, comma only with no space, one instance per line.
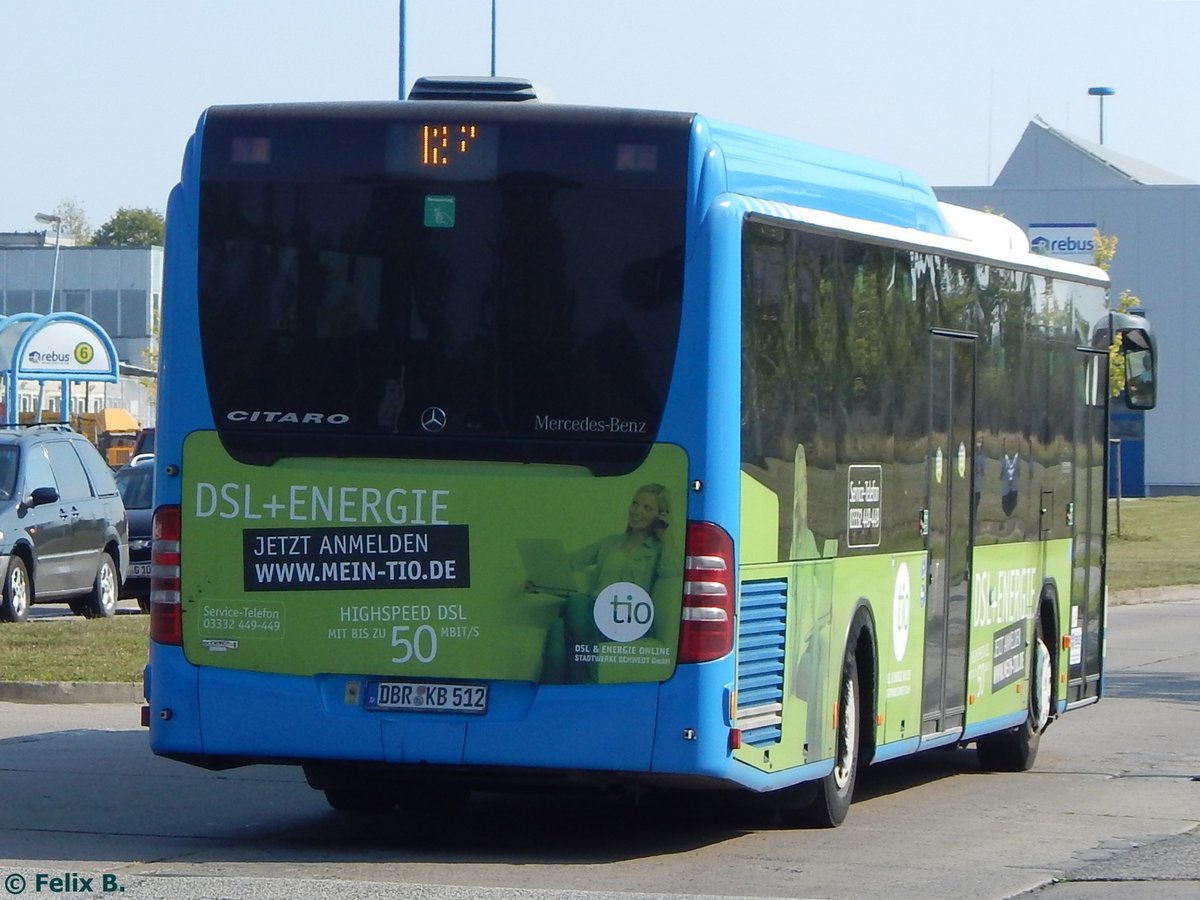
(1072,240)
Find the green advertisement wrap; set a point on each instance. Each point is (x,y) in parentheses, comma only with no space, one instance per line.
(432,569)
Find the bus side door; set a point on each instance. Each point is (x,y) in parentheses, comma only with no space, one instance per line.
(949,486)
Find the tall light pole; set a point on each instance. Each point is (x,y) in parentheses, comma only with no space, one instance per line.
(56,221)
(1101,92)
(401,60)
(402,6)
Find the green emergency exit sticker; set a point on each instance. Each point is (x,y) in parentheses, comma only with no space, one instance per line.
(439,211)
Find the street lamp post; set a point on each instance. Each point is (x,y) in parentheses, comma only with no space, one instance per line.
(1101,92)
(56,221)
(403,48)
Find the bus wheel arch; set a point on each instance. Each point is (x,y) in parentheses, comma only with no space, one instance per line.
(862,633)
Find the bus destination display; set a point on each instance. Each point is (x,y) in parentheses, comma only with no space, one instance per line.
(462,151)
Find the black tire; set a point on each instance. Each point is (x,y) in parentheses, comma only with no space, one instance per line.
(101,603)
(351,800)
(431,802)
(434,801)
(144,604)
(836,790)
(18,592)
(1016,750)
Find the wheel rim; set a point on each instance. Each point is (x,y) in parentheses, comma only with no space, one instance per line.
(1043,675)
(108,587)
(847,737)
(18,592)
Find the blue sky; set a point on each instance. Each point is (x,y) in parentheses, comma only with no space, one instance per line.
(99,98)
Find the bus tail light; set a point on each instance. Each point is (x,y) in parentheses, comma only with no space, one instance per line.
(166,621)
(706,631)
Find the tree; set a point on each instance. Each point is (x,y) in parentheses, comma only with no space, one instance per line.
(150,354)
(131,228)
(1105,250)
(74,221)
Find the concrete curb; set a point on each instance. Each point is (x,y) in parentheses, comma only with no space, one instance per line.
(70,692)
(1172,594)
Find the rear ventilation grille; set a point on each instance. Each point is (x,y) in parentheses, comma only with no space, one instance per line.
(762,619)
(486,89)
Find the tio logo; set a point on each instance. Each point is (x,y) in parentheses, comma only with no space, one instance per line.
(623,612)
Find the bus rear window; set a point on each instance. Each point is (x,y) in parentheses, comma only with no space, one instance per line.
(432,317)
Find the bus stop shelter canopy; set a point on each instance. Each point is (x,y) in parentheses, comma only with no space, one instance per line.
(60,347)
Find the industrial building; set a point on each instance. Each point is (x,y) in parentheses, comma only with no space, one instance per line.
(1060,189)
(118,288)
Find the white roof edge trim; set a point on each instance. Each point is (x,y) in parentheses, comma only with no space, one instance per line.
(984,227)
(914,239)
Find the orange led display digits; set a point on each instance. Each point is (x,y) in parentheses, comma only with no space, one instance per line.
(441,142)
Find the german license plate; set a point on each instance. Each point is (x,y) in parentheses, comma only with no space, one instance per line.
(139,570)
(425,696)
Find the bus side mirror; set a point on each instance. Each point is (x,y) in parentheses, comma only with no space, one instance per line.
(1137,351)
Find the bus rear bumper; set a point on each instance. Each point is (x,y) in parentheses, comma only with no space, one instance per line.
(217,718)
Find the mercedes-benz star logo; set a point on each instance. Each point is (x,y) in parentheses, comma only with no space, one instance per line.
(433,419)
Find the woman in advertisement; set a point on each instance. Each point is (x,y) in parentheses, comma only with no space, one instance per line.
(642,556)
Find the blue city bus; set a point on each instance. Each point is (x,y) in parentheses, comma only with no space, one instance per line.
(504,444)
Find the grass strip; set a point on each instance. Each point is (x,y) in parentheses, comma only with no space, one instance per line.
(73,649)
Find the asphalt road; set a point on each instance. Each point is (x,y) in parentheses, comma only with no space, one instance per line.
(1112,810)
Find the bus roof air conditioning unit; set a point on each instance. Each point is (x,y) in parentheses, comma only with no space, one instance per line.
(489,89)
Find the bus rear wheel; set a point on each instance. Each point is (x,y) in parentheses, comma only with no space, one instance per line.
(1016,750)
(359,801)
(836,790)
